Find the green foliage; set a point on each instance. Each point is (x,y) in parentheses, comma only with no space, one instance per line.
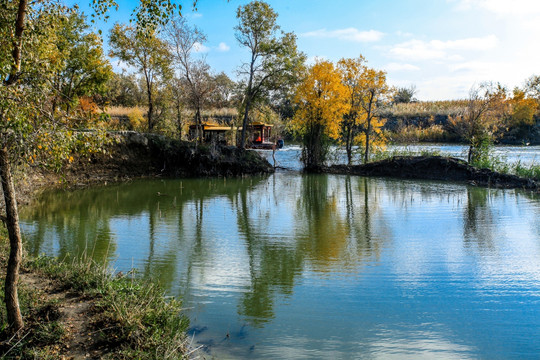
(133,315)
(482,119)
(274,62)
(54,149)
(149,55)
(124,90)
(83,68)
(531,171)
(403,152)
(404,95)
(480,152)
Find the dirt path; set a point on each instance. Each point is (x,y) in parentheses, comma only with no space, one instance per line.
(80,340)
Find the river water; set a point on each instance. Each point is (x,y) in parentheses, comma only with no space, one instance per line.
(294,266)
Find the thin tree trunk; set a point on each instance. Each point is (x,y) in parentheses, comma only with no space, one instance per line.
(348,145)
(150,114)
(248,101)
(15,320)
(368,131)
(179,120)
(198,122)
(11,296)
(244,124)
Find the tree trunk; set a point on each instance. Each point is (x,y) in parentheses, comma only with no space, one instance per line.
(249,96)
(15,320)
(198,122)
(348,145)
(14,316)
(244,124)
(368,131)
(179,120)
(150,114)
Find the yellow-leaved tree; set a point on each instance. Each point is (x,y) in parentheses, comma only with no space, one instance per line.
(352,77)
(374,92)
(522,109)
(322,101)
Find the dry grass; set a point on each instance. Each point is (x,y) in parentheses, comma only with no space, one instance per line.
(119,111)
(428,108)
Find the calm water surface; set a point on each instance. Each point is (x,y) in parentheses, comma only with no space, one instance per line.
(289,156)
(297,266)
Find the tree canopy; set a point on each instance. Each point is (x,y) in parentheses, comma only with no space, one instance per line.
(274,58)
(321,100)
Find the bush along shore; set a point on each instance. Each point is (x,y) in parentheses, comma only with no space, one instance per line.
(435,168)
(129,155)
(78,309)
(135,154)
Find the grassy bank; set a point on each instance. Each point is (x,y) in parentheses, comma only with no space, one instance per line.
(488,161)
(78,309)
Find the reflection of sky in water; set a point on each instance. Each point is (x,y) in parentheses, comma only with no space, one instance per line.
(295,266)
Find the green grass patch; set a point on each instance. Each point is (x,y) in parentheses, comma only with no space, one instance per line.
(131,317)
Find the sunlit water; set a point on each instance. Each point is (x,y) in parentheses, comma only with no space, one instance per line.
(289,157)
(296,266)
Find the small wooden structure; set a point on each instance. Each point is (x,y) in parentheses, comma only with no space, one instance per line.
(258,134)
(211,133)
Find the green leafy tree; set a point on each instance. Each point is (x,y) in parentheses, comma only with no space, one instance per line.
(23,76)
(274,59)
(23,39)
(83,69)
(481,119)
(222,96)
(148,54)
(123,90)
(405,94)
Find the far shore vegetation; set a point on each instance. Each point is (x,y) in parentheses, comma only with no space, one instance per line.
(60,99)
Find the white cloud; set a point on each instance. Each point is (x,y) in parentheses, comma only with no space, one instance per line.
(348,34)
(200,48)
(223,47)
(501,7)
(404,34)
(441,50)
(400,67)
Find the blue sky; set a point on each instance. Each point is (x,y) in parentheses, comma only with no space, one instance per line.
(442,47)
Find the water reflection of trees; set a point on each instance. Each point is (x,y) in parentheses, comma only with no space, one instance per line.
(77,222)
(273,265)
(337,224)
(479,223)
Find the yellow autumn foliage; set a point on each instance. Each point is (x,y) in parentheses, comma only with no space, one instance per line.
(321,99)
(522,109)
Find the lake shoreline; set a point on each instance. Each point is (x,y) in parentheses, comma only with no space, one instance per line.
(133,156)
(434,168)
(80,309)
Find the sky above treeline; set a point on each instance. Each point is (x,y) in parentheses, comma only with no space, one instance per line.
(442,47)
